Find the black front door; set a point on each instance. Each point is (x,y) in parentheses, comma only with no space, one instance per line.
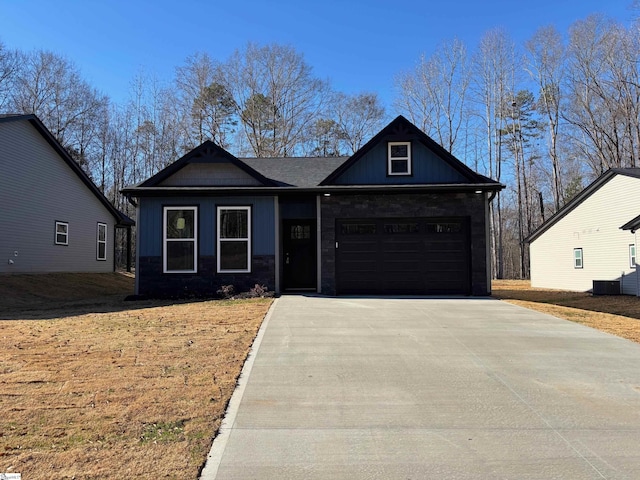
(299,254)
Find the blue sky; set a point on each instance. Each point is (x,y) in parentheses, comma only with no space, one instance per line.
(357,45)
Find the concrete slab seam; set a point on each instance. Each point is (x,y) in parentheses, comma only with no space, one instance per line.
(210,470)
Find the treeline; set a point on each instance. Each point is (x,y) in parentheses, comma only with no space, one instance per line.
(544,117)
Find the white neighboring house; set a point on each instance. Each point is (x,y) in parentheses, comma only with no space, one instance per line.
(585,240)
(54,218)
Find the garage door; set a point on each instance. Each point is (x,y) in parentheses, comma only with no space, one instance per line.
(403,256)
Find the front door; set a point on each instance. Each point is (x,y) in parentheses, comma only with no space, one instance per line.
(299,254)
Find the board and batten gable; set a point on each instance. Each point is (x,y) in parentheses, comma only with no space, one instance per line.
(210,174)
(37,188)
(426,168)
(594,227)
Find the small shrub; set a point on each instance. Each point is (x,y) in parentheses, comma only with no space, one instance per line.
(226,291)
(258,291)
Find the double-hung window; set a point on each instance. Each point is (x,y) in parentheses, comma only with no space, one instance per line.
(180,239)
(101,250)
(577,258)
(62,233)
(233,239)
(632,255)
(399,158)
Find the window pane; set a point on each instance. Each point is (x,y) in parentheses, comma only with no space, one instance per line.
(577,258)
(234,255)
(234,224)
(443,227)
(401,228)
(300,232)
(358,229)
(180,223)
(61,238)
(102,233)
(401,151)
(399,166)
(61,228)
(180,255)
(102,251)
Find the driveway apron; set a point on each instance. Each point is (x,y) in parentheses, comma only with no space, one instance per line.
(406,388)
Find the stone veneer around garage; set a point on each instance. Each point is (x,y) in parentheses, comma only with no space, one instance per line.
(469,205)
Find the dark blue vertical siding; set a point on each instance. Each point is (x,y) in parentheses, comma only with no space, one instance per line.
(427,167)
(150,222)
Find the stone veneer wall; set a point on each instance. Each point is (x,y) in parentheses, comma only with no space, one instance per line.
(205,283)
(470,205)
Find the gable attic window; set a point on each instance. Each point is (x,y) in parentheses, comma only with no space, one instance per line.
(234,239)
(62,233)
(399,158)
(180,239)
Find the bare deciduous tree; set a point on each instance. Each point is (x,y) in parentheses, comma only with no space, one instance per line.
(276,95)
(434,95)
(546,67)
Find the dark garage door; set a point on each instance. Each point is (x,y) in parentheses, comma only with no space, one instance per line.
(403,256)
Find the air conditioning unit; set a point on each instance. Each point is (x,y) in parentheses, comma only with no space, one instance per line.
(606,287)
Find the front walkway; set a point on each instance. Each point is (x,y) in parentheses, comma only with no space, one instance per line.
(375,388)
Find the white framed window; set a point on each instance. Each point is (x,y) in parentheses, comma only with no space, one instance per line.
(577,258)
(62,233)
(233,239)
(632,255)
(101,238)
(180,239)
(399,158)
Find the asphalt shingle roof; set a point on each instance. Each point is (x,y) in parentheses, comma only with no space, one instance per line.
(296,171)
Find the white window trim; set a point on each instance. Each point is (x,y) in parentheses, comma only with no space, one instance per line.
(98,242)
(632,255)
(56,233)
(390,158)
(165,240)
(219,208)
(575,263)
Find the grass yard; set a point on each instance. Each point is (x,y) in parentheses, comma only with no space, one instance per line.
(92,387)
(617,314)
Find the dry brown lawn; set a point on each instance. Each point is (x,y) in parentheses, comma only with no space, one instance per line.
(617,314)
(93,387)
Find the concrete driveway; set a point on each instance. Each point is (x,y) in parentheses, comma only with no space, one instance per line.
(379,388)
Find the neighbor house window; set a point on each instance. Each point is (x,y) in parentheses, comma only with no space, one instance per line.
(632,256)
(102,241)
(399,158)
(62,233)
(234,239)
(180,238)
(577,258)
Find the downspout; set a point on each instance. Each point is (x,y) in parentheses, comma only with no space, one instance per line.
(137,273)
(276,228)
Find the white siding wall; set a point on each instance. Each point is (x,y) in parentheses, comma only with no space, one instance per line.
(37,188)
(593,226)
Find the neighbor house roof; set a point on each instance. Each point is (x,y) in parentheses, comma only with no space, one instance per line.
(632,225)
(121,218)
(581,197)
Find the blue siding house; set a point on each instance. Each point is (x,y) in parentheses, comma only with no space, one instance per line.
(400,216)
